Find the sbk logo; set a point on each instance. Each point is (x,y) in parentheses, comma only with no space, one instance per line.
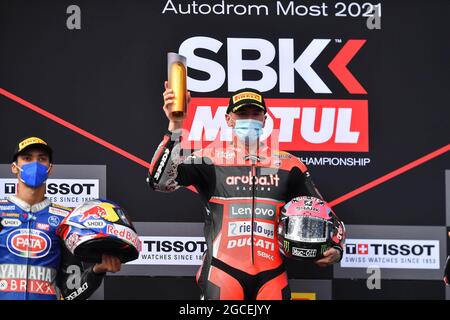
(289,63)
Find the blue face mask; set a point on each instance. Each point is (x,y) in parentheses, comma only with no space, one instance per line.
(33,174)
(248,130)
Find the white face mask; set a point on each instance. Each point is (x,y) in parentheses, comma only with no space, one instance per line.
(248,130)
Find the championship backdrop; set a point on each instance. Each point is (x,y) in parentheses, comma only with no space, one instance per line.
(358,90)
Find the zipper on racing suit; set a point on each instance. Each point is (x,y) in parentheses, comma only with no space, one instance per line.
(28,253)
(253,208)
(253,155)
(254,159)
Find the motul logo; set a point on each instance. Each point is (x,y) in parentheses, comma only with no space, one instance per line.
(290,62)
(299,124)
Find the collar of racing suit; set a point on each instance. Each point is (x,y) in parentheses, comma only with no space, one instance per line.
(239,146)
(27,207)
(260,153)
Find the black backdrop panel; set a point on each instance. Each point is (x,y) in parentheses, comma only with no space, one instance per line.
(107,79)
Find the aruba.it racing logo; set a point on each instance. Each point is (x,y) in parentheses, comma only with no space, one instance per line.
(299,124)
(271,180)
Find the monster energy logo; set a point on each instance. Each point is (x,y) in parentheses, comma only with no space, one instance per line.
(286,245)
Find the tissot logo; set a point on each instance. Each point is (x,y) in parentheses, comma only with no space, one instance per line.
(10,188)
(389,249)
(396,253)
(363,249)
(350,248)
(169,250)
(66,192)
(175,246)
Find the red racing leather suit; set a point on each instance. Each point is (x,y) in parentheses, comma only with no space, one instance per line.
(239,191)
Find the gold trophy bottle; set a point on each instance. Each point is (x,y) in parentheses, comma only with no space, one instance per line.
(177,82)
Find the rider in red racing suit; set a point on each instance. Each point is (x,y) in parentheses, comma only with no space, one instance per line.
(239,189)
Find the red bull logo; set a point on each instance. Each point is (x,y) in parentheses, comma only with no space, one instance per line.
(94,212)
(124,233)
(103,210)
